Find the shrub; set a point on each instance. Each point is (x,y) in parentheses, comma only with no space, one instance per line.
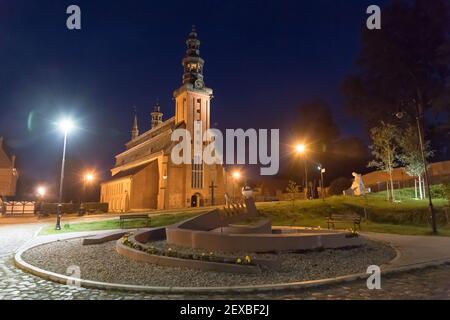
(441,191)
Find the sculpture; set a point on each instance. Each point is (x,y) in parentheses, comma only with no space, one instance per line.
(358,185)
(247,192)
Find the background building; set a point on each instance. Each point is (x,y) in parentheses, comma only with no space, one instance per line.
(8,172)
(144,177)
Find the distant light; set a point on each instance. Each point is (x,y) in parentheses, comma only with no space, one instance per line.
(89,177)
(41,191)
(400,114)
(236,175)
(300,148)
(66,125)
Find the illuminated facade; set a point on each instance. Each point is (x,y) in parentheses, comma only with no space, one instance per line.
(144,176)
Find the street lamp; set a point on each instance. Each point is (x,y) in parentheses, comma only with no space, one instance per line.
(236,177)
(88,178)
(322,171)
(40,192)
(301,150)
(65,125)
(419,115)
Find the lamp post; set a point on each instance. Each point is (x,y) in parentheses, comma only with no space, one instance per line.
(88,178)
(301,149)
(322,171)
(40,192)
(419,115)
(65,125)
(236,178)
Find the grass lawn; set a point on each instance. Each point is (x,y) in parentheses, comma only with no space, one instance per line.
(406,217)
(157,221)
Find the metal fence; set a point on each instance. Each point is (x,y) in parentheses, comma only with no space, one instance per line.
(18,208)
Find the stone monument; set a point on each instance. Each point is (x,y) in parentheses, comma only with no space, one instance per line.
(358,185)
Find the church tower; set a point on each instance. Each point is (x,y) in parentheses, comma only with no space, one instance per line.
(193,97)
(193,107)
(135,128)
(157,116)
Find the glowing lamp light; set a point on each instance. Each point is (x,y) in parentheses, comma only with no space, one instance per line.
(41,191)
(236,175)
(89,177)
(66,125)
(300,148)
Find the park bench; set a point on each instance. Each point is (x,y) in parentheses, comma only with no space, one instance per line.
(344,218)
(143,217)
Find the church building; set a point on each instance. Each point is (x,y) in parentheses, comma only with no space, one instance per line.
(8,172)
(144,177)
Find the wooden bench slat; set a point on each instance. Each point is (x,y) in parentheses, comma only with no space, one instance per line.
(344,218)
(145,217)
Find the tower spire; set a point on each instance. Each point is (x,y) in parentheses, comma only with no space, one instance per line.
(135,129)
(192,62)
(157,115)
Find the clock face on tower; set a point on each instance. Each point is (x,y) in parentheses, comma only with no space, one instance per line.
(198,84)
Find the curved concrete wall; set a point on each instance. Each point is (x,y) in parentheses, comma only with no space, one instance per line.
(147,235)
(258,242)
(264,226)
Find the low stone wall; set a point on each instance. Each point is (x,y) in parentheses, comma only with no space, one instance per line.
(148,235)
(259,242)
(141,256)
(264,226)
(104,237)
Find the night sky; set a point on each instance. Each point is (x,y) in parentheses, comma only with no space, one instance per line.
(263,59)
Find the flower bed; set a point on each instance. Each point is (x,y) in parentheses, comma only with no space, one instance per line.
(129,241)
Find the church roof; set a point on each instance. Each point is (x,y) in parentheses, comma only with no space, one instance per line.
(5,157)
(129,172)
(154,132)
(146,148)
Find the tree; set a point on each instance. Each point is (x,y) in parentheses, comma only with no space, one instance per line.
(403,65)
(338,185)
(315,123)
(292,189)
(316,127)
(384,150)
(411,155)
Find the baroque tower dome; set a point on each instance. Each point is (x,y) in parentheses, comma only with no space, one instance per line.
(192,62)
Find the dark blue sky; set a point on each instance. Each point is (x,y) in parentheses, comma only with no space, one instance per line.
(263,59)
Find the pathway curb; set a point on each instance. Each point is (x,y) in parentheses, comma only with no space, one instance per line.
(63,279)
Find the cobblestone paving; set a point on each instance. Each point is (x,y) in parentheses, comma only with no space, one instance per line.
(432,283)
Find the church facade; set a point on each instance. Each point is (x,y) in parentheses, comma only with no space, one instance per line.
(144,177)
(8,172)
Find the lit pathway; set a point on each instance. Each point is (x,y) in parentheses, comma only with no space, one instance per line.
(431,283)
(416,249)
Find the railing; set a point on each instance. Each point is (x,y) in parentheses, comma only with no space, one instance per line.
(18,208)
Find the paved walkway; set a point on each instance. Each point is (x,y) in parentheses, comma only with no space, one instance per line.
(431,283)
(415,249)
(73,217)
